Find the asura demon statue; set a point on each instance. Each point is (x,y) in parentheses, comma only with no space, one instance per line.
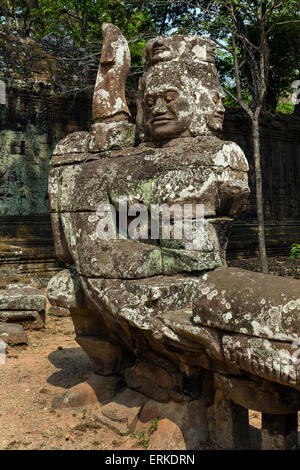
(140,218)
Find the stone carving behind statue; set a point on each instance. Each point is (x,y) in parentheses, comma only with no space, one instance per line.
(165,316)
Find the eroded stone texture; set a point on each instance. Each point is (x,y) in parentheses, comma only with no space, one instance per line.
(228,423)
(279,432)
(258,322)
(180,426)
(96,389)
(121,414)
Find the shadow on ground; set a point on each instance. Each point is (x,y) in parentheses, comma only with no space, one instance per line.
(74,364)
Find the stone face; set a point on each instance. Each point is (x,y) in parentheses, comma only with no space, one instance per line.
(181,76)
(13,333)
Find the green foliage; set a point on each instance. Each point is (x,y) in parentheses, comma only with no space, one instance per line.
(231,102)
(144,436)
(285,108)
(140,20)
(295,251)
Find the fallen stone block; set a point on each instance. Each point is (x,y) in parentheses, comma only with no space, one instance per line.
(21,303)
(21,297)
(96,389)
(13,333)
(28,319)
(59,311)
(121,414)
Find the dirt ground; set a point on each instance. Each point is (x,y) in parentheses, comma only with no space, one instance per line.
(52,363)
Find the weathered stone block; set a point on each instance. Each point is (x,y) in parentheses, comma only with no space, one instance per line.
(106,358)
(29,319)
(122,413)
(228,423)
(181,426)
(22,298)
(152,381)
(279,432)
(13,333)
(96,389)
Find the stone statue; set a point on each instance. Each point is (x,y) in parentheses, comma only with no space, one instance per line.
(131,297)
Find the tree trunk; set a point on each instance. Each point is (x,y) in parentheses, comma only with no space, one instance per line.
(83,24)
(270,101)
(259,197)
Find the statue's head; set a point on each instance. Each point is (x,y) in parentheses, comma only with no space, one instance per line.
(168,107)
(180,94)
(165,48)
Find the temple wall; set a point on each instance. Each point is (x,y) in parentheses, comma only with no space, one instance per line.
(31,123)
(281,179)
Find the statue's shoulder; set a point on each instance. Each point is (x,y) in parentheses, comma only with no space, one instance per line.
(221,153)
(72,148)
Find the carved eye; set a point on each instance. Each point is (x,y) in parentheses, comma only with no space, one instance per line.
(216,98)
(170,96)
(150,102)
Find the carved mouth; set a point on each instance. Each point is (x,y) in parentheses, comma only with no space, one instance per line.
(159,49)
(162,120)
(219,116)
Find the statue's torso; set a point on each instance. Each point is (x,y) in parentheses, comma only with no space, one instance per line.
(190,171)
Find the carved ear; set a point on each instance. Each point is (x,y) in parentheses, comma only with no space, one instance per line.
(145,58)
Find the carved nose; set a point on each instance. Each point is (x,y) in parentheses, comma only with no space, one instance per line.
(221,107)
(160,107)
(107,56)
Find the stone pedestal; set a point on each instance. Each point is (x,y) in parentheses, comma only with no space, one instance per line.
(228,423)
(279,432)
